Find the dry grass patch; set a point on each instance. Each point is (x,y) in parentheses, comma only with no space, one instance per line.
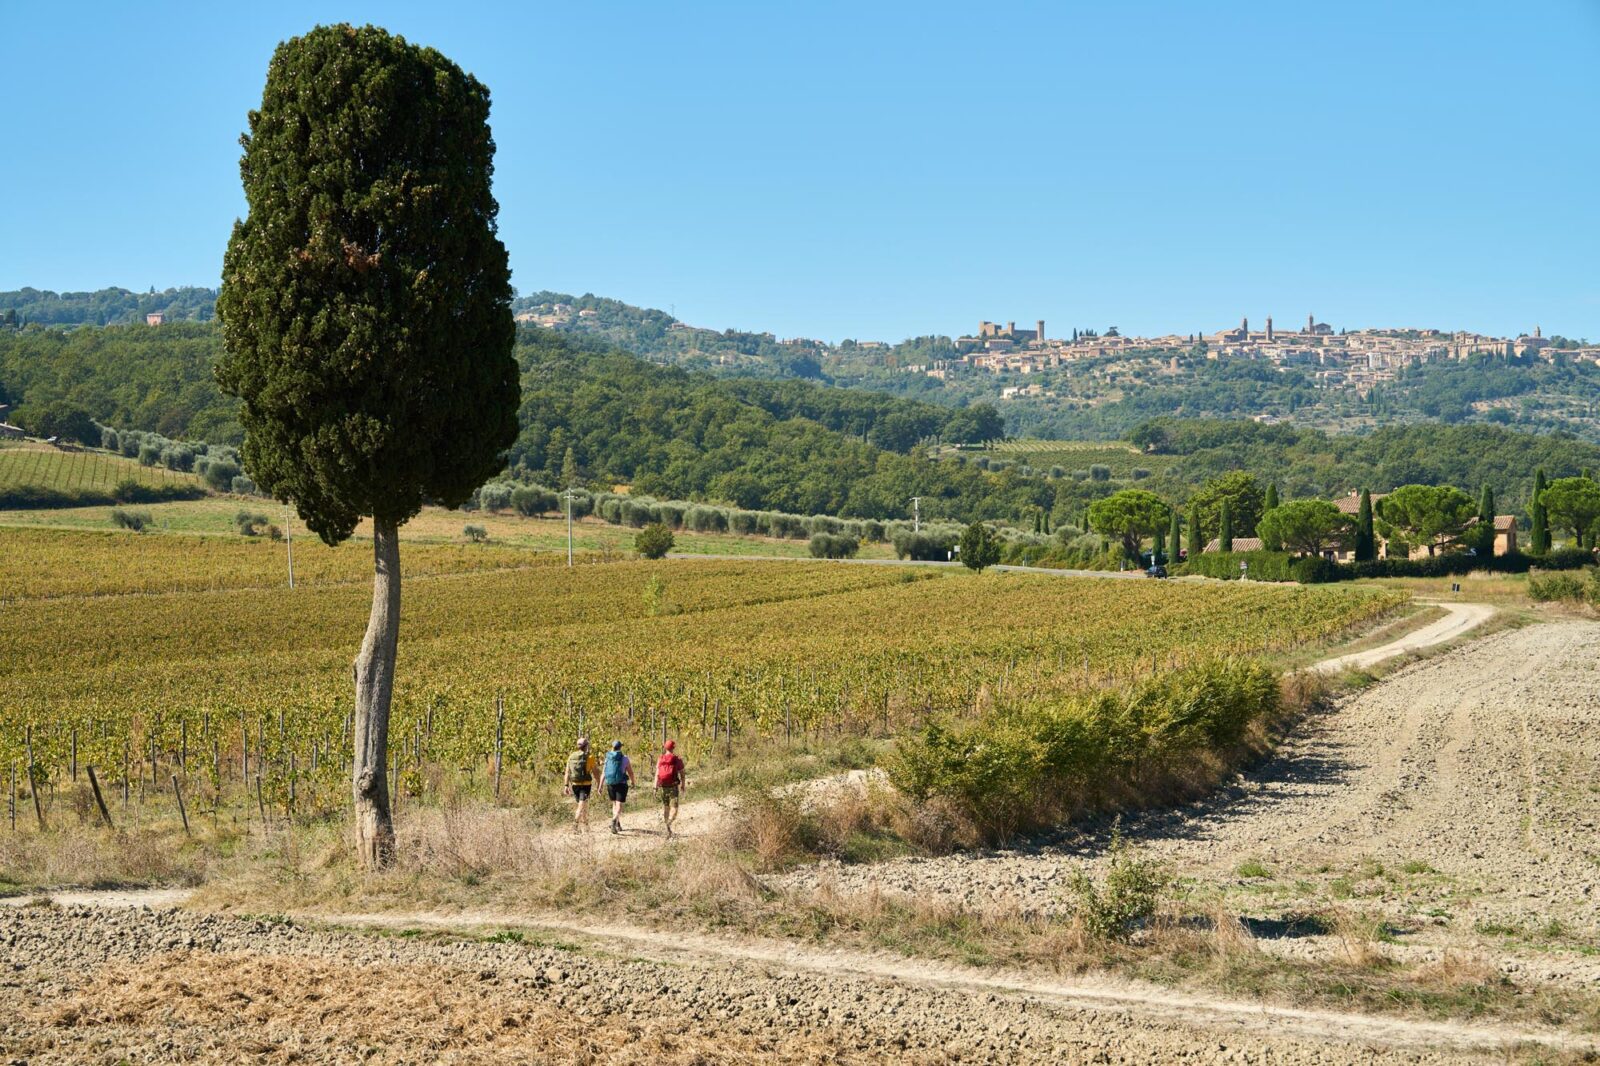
(266,1008)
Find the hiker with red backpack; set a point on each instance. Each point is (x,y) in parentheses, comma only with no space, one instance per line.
(618,775)
(670,781)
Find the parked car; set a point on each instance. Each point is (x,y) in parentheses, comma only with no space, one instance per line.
(1156,571)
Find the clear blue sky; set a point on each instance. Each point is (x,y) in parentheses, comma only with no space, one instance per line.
(878,170)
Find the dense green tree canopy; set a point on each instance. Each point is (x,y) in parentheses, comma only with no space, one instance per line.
(1129,516)
(1573,504)
(1438,516)
(366,299)
(1305,526)
(1245,499)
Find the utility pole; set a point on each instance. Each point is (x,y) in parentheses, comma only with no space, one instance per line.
(569,526)
(288,539)
(916,514)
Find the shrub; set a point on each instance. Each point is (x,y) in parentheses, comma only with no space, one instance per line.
(636,513)
(129,442)
(1140,473)
(179,457)
(821,523)
(833,546)
(927,547)
(670,513)
(530,500)
(1545,588)
(1018,768)
(1058,472)
(149,454)
(704,519)
(219,474)
(1315,570)
(653,541)
(243,486)
(134,520)
(788,525)
(1080,475)
(109,439)
(1264,566)
(249,525)
(872,530)
(743,522)
(475,534)
(1099,472)
(496,496)
(980,548)
(1126,896)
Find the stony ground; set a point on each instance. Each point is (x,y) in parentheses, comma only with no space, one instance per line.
(137,985)
(1459,797)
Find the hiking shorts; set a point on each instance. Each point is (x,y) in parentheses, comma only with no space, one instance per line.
(581,792)
(617,793)
(669,793)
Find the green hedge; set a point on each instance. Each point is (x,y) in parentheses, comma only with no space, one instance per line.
(1017,769)
(1264,566)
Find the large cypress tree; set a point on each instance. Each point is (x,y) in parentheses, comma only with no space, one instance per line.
(1484,538)
(1225,527)
(1366,545)
(1538,517)
(1197,537)
(366,315)
(1173,540)
(1270,500)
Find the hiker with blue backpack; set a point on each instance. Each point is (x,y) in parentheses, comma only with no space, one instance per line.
(618,775)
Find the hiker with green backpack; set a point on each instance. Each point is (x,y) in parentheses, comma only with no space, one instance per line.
(618,775)
(579,781)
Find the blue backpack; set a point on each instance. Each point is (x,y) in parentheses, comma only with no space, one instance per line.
(614,774)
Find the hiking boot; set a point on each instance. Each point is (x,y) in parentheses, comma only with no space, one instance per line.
(615,828)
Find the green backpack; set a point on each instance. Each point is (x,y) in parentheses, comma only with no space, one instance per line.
(578,768)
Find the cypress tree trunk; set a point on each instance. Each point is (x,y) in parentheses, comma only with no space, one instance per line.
(374,671)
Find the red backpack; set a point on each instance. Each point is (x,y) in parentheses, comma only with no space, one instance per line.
(668,769)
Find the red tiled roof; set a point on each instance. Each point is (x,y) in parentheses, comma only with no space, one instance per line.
(1240,544)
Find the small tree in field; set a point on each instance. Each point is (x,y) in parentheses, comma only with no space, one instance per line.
(653,541)
(980,548)
(366,320)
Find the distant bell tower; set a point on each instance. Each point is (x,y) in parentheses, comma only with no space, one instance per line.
(1311,323)
(1269,327)
(1244,325)
(1040,336)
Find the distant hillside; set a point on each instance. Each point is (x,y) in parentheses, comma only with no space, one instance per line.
(107,306)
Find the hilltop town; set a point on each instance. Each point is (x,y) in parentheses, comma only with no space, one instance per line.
(1358,359)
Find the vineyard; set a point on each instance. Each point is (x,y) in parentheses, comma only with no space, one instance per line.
(79,471)
(188,658)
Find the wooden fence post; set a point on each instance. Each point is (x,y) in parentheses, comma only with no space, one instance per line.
(99,800)
(183,812)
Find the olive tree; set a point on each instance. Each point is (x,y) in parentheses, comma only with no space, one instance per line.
(366,319)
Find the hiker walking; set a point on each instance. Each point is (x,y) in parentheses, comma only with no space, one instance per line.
(579,781)
(670,780)
(618,776)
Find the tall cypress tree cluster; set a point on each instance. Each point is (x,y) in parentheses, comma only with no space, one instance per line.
(1225,530)
(1538,518)
(1366,546)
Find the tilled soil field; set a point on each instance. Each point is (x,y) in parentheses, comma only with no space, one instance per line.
(118,984)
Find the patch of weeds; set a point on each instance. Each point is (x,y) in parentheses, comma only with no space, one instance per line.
(1417,866)
(1125,898)
(1253,869)
(1494,927)
(267,919)
(506,936)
